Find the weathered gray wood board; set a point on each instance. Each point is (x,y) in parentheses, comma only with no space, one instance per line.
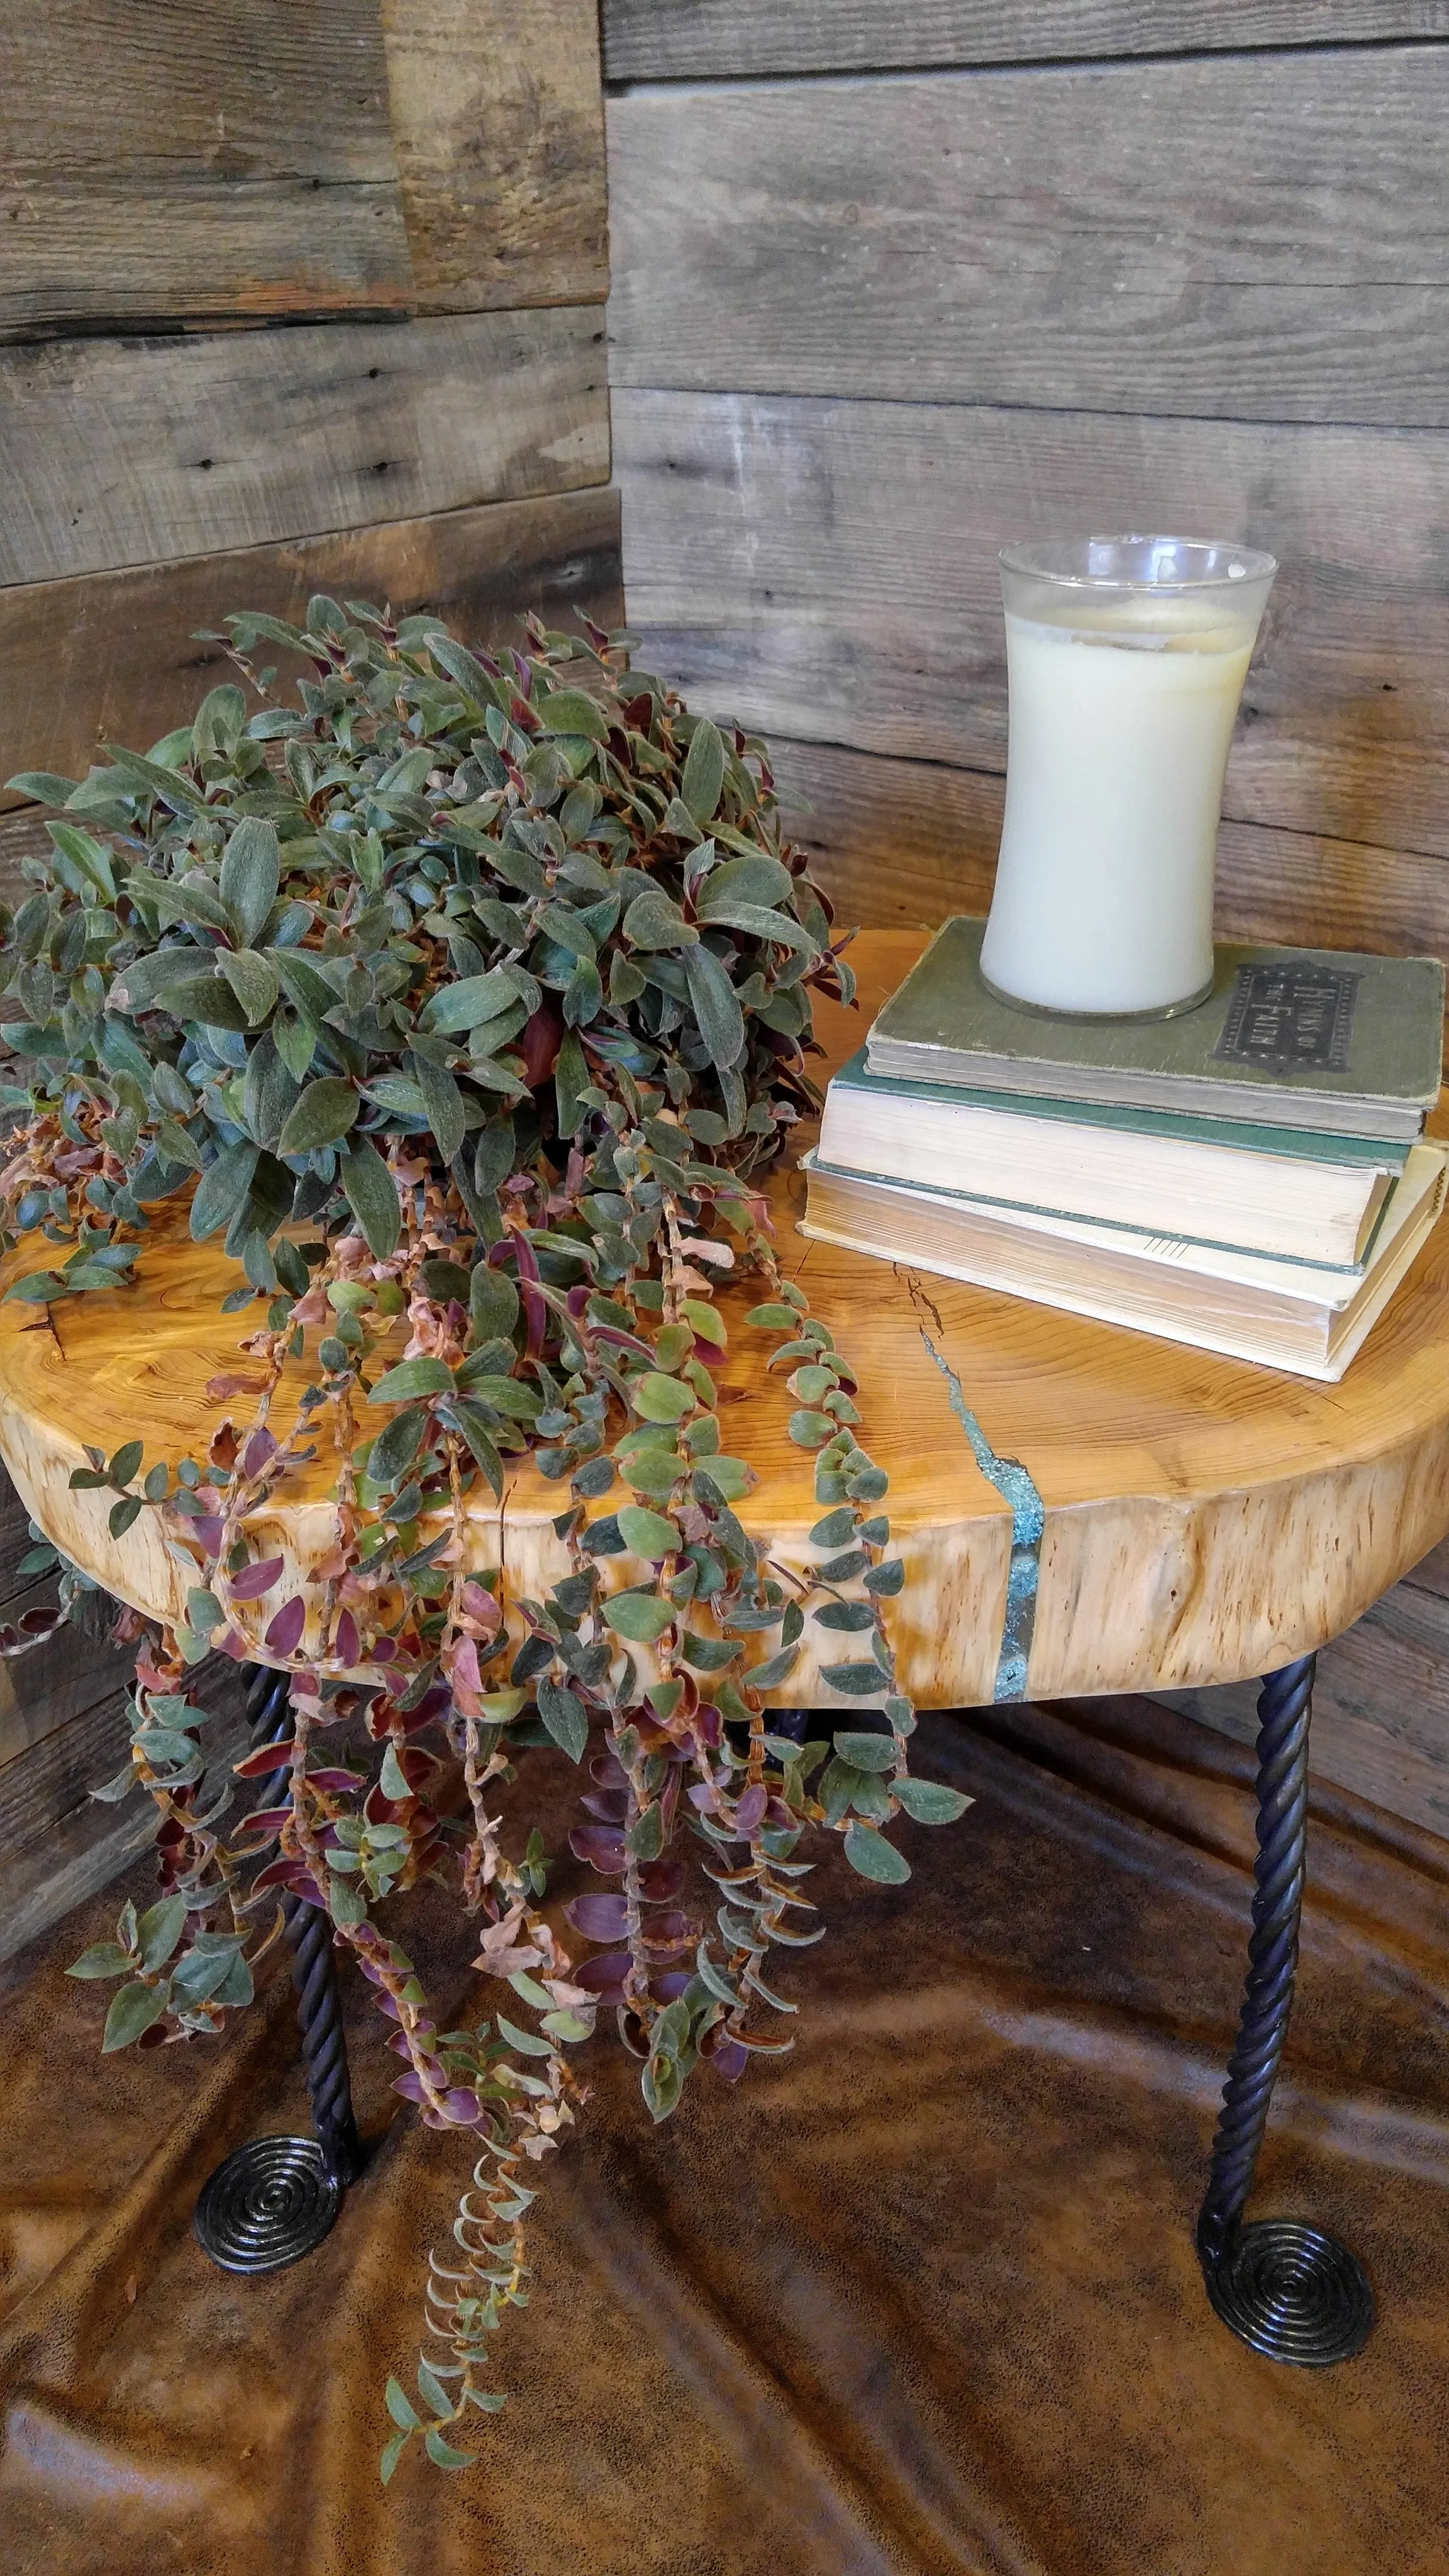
(498,123)
(1261,236)
(115,655)
(124,452)
(196,158)
(1380,1704)
(21,833)
(903,841)
(733,39)
(828,571)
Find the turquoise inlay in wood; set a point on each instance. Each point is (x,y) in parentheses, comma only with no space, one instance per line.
(1028,1519)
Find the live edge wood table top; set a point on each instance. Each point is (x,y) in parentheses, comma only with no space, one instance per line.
(1080,1508)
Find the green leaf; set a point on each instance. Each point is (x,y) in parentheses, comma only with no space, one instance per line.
(757,923)
(647,1533)
(159,1929)
(442,2454)
(856,1680)
(867,1850)
(716,1006)
(929,1801)
(836,1527)
(654,921)
(564,1716)
(222,1189)
(392,2453)
(639,1616)
(123,1514)
(661,1399)
(325,1112)
(133,2010)
(250,875)
(411,1379)
(432,2391)
(42,786)
(146,778)
(443,1101)
(645,1837)
(400,2407)
(758,880)
(527,2042)
(570,1077)
(573,711)
(857,1615)
(126,1460)
(253,979)
(371,1193)
(471,1001)
(811,1430)
(704,770)
(493,1303)
(392,1779)
(867,1752)
(104,1958)
(508,1396)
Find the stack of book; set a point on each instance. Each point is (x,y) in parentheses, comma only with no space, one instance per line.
(1251,1177)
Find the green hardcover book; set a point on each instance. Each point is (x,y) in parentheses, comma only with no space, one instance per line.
(1316,1038)
(1289,1192)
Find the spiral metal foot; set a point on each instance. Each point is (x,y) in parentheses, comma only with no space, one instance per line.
(1280,2285)
(275,2198)
(269,2204)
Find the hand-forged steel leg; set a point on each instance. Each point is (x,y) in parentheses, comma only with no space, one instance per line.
(1280,2284)
(275,2198)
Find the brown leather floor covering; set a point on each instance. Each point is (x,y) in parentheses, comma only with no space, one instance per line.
(923,2298)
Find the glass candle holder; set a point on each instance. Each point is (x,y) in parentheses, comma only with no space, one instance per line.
(1125,659)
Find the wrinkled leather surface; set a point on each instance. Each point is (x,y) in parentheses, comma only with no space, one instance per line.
(922,2298)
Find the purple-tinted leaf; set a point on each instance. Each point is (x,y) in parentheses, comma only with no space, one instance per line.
(257,1578)
(602,1850)
(598,1918)
(346,1643)
(410,2086)
(729,2060)
(610,1968)
(284,1635)
(462,2105)
(268,1757)
(335,1781)
(660,1881)
(674,1984)
(750,1809)
(611,1804)
(260,1447)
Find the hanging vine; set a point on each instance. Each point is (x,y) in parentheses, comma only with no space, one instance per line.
(469,1001)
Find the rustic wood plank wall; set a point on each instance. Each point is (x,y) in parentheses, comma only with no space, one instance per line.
(416,189)
(893,287)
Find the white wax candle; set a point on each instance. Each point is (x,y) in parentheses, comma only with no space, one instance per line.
(1121,714)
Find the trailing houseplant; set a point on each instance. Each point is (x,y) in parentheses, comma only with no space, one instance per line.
(468,1002)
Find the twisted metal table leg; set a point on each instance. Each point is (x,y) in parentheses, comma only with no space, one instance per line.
(275,2198)
(1281,2285)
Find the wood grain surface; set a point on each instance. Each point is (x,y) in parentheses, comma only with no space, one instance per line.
(735,39)
(498,123)
(828,570)
(196,158)
(115,655)
(120,452)
(1203,1519)
(1253,236)
(902,841)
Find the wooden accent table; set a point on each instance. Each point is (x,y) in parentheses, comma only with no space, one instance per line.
(1080,1509)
